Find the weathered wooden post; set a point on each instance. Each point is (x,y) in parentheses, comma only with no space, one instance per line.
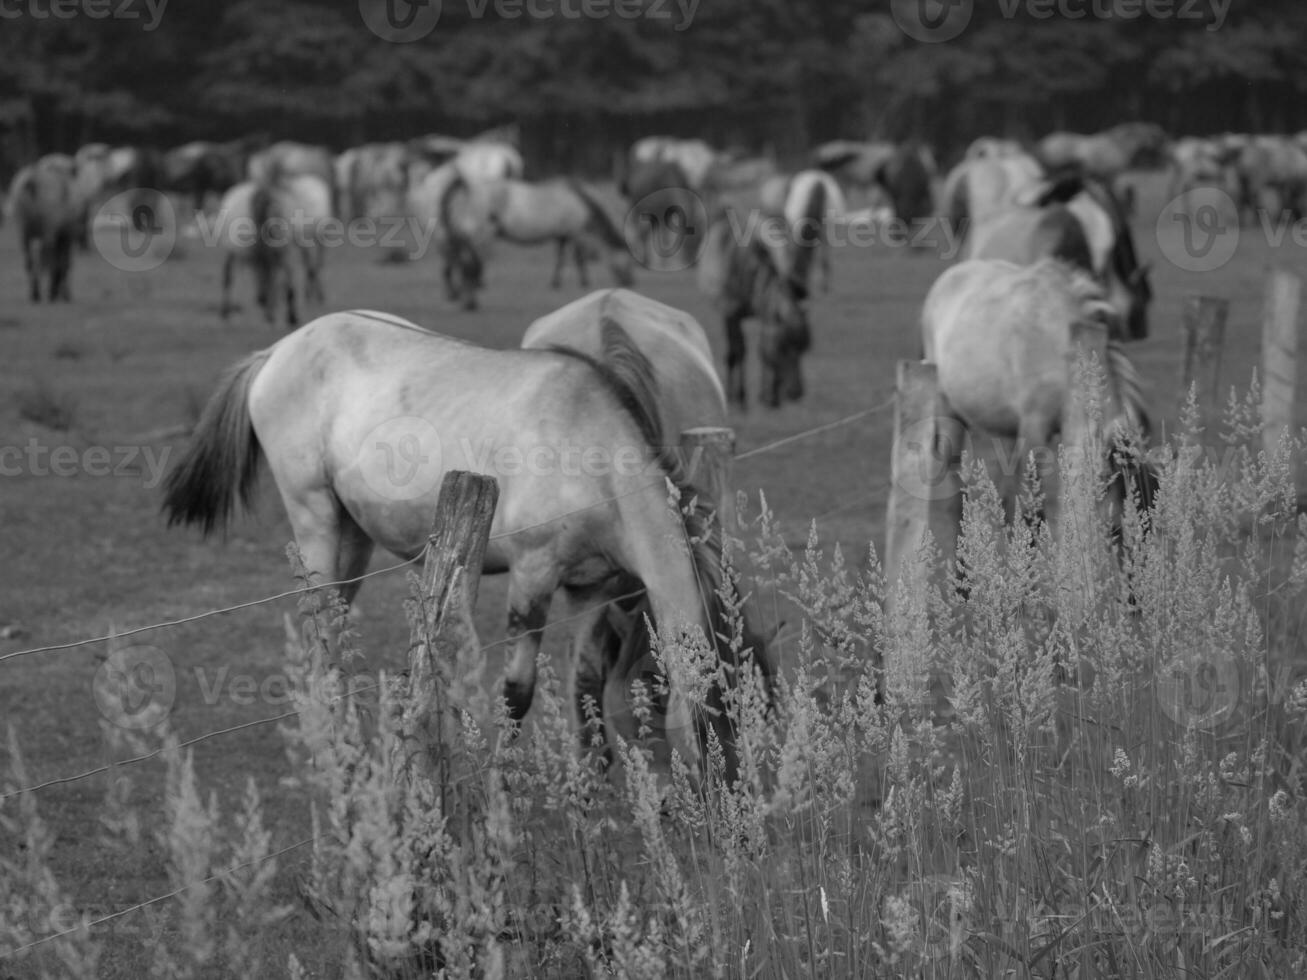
(1204,333)
(709,452)
(1279,354)
(451,575)
(925,486)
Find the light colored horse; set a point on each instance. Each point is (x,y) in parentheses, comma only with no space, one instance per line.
(263,226)
(482,161)
(372,180)
(981,186)
(535,213)
(287,159)
(612,644)
(1108,154)
(695,157)
(50,215)
(1079,220)
(788,196)
(359,415)
(1274,166)
(993,148)
(1004,338)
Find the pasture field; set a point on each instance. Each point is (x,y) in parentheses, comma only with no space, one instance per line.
(121,372)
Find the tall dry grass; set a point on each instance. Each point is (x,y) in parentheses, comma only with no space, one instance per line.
(1081,759)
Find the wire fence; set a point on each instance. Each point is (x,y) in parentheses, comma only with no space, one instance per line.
(860,500)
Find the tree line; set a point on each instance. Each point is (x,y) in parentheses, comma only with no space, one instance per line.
(776,75)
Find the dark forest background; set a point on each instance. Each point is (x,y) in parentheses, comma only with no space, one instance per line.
(777,75)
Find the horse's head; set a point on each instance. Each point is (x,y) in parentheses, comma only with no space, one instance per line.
(784,338)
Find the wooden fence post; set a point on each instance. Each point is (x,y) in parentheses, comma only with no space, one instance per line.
(1204,333)
(1279,354)
(451,576)
(709,452)
(925,487)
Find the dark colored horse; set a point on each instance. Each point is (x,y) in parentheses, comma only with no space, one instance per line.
(50,216)
(747,279)
(203,168)
(906,177)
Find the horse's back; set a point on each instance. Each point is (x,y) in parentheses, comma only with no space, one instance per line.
(673,341)
(1000,335)
(44,198)
(1026,235)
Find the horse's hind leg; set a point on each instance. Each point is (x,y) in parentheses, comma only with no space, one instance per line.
(531,585)
(735,358)
(594,642)
(228,268)
(578,256)
(560,259)
(32,261)
(292,315)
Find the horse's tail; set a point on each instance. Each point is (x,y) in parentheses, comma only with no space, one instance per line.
(460,249)
(810,231)
(601,223)
(222,460)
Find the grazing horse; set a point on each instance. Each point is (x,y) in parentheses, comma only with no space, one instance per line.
(748,279)
(1004,339)
(666,229)
(1108,154)
(50,215)
(694,158)
(320,407)
(612,644)
(1275,164)
(1078,219)
(789,197)
(263,225)
(430,201)
(525,213)
(287,158)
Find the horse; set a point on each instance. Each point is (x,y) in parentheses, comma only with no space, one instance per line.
(981,186)
(907,175)
(263,225)
(462,268)
(287,158)
(788,197)
(1108,154)
(326,407)
(483,160)
(1275,164)
(666,209)
(1077,218)
(611,646)
(693,157)
(50,215)
(202,168)
(993,148)
(1004,339)
(748,279)
(372,180)
(532,213)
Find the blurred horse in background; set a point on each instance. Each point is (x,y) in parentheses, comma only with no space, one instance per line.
(524,213)
(1076,218)
(789,197)
(201,168)
(50,216)
(1108,154)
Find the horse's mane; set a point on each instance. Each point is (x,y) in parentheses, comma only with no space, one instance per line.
(629,377)
(1127,386)
(600,221)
